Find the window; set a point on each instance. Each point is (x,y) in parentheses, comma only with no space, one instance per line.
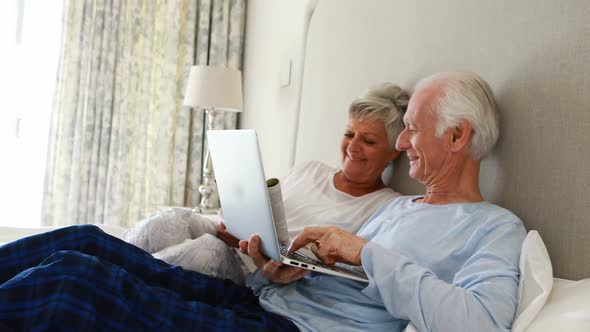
(30,33)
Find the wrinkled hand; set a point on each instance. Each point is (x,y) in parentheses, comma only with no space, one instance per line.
(225,236)
(274,271)
(331,245)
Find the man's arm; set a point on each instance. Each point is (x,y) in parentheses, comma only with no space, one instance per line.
(331,244)
(482,297)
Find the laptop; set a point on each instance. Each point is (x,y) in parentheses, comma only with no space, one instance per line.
(243,193)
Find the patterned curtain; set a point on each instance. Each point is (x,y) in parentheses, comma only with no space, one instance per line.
(121,144)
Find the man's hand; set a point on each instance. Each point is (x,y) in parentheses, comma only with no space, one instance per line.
(225,236)
(272,270)
(331,245)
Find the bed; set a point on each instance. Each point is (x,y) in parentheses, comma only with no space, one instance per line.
(536,56)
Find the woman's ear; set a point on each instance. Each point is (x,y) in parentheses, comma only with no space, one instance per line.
(461,135)
(394,155)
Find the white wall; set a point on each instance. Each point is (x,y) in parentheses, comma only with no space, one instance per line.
(274,37)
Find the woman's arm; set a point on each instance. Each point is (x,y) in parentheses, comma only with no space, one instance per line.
(273,271)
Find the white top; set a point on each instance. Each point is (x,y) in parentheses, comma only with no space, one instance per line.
(310,198)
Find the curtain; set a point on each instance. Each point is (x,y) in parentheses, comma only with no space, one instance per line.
(121,144)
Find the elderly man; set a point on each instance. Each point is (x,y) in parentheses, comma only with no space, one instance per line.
(445,260)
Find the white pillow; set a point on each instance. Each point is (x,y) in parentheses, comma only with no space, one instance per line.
(536,280)
(387,174)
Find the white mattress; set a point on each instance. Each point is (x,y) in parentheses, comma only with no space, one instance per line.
(8,234)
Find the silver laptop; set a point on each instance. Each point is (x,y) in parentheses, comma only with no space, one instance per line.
(246,206)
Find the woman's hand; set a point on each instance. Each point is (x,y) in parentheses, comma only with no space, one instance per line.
(225,236)
(272,270)
(331,245)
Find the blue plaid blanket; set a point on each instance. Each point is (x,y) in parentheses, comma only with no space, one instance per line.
(81,279)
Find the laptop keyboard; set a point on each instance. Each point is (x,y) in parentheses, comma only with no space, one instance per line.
(302,258)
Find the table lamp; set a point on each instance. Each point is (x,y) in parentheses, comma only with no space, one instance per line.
(212,89)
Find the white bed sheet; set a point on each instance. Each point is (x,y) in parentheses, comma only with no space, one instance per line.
(566,309)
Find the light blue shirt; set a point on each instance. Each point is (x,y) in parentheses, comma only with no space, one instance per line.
(447,267)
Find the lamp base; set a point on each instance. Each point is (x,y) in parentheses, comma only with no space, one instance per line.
(208,189)
(209,198)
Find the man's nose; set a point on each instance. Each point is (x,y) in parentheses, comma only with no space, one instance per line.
(402,143)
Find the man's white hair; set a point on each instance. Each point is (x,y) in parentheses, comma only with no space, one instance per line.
(466,96)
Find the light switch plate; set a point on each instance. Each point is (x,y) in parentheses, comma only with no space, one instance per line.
(285,79)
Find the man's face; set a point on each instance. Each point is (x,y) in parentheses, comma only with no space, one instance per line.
(428,154)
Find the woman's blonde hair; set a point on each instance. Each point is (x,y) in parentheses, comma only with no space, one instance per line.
(386,102)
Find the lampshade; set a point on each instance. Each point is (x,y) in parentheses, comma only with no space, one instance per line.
(217,87)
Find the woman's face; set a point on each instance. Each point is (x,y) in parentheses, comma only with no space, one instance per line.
(365,150)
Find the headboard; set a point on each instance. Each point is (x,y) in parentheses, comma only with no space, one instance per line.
(536,56)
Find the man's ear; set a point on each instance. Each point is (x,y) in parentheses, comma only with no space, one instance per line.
(460,136)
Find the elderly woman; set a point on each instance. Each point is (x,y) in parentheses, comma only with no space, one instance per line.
(314,193)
